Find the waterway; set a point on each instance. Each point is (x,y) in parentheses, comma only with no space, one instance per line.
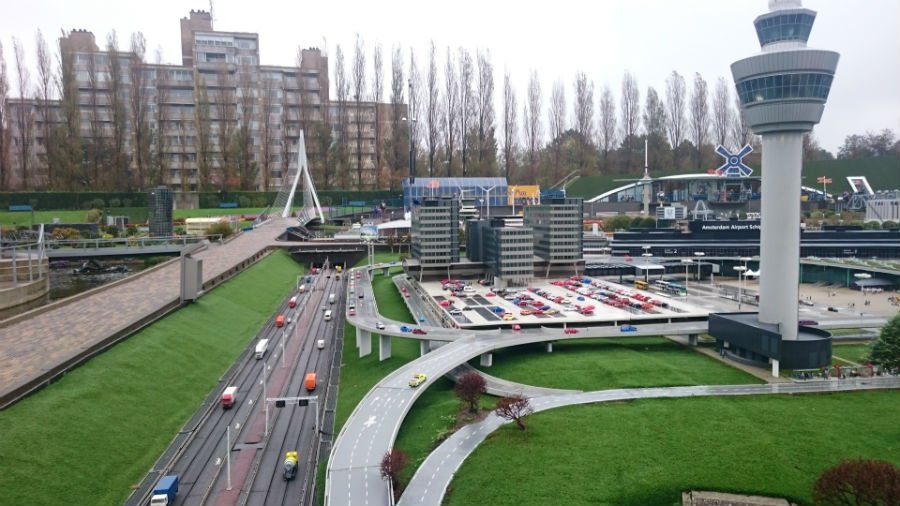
(65,282)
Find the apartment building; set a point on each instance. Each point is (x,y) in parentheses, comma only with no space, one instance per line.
(506,251)
(221,119)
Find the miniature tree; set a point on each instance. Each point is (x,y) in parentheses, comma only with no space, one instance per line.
(514,408)
(393,463)
(858,482)
(886,350)
(469,388)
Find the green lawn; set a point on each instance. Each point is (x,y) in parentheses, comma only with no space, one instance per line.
(94,434)
(647,452)
(598,364)
(136,214)
(858,353)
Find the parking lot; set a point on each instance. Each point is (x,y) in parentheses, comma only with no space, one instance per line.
(573,301)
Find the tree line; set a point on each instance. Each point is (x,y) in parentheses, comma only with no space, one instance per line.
(444,105)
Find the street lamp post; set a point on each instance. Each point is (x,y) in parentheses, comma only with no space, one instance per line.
(687,263)
(647,257)
(699,255)
(412,158)
(740,270)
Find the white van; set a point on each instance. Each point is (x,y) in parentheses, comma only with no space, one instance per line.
(302,289)
(320,344)
(328,315)
(261,348)
(331,299)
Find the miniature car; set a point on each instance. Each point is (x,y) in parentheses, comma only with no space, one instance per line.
(455,312)
(379,325)
(417,379)
(490,294)
(627,328)
(404,328)
(525,312)
(571,331)
(508,317)
(421,318)
(419,332)
(517,327)
(351,312)
(808,322)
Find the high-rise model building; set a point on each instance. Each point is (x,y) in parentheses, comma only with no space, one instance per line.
(557,224)
(782,91)
(435,232)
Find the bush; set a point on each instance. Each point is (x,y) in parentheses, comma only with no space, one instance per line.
(244,201)
(126,202)
(222,228)
(115,203)
(66,233)
(890,225)
(93,216)
(858,482)
(98,203)
(131,231)
(178,231)
(112,230)
(872,225)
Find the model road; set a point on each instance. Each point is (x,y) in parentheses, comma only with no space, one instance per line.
(256,479)
(353,475)
(429,485)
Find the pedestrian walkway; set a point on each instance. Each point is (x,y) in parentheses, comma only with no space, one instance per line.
(37,346)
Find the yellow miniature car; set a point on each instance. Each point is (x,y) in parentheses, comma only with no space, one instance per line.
(417,379)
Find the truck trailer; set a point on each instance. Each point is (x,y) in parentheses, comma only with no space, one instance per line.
(261,348)
(165,491)
(228,397)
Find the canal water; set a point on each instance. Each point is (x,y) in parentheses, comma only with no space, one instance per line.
(65,282)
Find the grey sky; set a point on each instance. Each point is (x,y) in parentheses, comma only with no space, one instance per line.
(648,37)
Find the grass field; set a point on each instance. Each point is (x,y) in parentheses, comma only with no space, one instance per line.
(647,452)
(598,364)
(858,353)
(7,219)
(90,437)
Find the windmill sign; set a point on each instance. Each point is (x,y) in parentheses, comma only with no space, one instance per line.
(734,162)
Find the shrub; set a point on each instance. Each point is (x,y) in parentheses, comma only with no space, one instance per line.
(131,231)
(222,228)
(115,203)
(66,233)
(112,230)
(858,482)
(98,203)
(243,201)
(93,216)
(178,230)
(126,202)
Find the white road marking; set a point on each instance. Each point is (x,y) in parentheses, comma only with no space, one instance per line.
(370,421)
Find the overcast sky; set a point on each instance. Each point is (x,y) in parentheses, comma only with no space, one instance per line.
(559,38)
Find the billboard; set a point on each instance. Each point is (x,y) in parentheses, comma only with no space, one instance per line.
(524,195)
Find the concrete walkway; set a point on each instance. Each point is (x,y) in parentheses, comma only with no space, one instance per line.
(763,374)
(35,345)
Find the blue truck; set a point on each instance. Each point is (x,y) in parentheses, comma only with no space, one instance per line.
(165,491)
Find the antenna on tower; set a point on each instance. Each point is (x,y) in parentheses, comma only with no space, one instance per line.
(212,11)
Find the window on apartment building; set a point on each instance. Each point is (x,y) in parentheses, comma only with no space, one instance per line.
(245,43)
(274,109)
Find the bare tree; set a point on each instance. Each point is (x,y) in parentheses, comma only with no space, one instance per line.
(699,118)
(25,138)
(377,95)
(631,118)
(4,127)
(44,96)
(139,96)
(721,111)
(532,118)
(514,408)
(557,121)
(452,96)
(469,388)
(654,115)
(268,93)
(227,120)
(584,116)
(432,123)
(163,116)
(399,139)
(487,142)
(68,152)
(509,125)
(607,126)
(414,110)
(203,122)
(96,141)
(248,169)
(342,87)
(675,110)
(118,106)
(359,86)
(466,106)
(392,465)
(740,130)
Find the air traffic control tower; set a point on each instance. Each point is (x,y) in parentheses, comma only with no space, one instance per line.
(782,91)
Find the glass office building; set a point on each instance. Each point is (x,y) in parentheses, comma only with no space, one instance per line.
(474,191)
(557,226)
